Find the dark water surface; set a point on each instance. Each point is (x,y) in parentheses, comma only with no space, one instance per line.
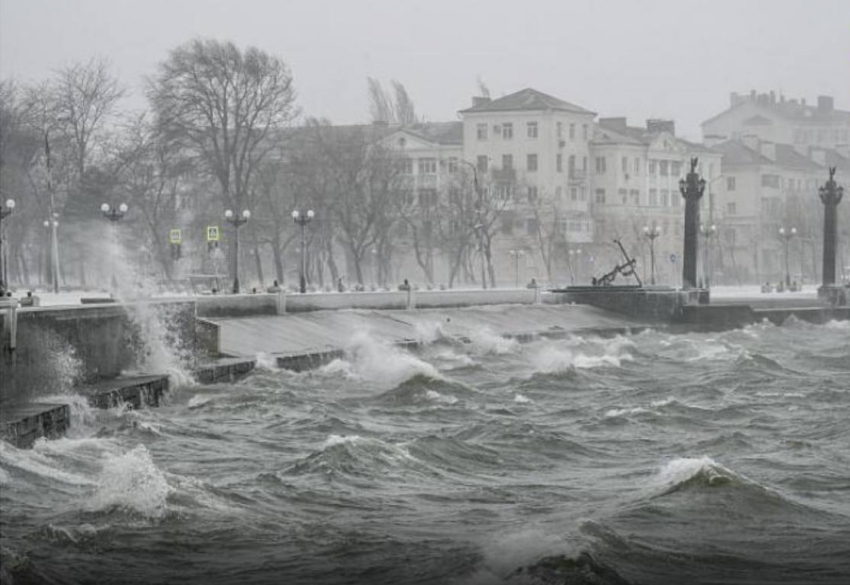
(649,458)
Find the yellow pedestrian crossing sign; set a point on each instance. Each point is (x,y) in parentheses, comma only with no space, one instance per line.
(212,233)
(175,236)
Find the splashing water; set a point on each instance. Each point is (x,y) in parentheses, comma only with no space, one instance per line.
(131,482)
(385,364)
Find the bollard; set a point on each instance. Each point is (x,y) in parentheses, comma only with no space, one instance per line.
(10,323)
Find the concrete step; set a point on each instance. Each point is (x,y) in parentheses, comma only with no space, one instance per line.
(22,425)
(135,391)
(224,370)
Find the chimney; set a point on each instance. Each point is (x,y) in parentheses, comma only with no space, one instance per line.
(825,104)
(817,155)
(615,124)
(768,149)
(752,95)
(751,141)
(655,125)
(478,101)
(734,99)
(772,97)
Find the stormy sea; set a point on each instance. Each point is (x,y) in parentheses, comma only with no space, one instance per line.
(651,457)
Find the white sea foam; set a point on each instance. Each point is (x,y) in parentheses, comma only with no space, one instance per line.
(38,463)
(553,359)
(485,342)
(437,397)
(133,482)
(333,440)
(680,470)
(429,331)
(265,361)
(83,415)
(199,400)
(616,412)
(380,362)
(521,399)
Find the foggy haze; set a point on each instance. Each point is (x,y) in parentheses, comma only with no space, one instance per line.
(657,58)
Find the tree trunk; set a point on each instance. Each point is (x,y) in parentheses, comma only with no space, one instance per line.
(259,260)
(277,254)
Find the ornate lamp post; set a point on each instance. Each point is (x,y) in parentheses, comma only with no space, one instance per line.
(692,189)
(4,271)
(303,219)
(830,195)
(651,233)
(707,232)
(113,215)
(516,255)
(53,253)
(236,221)
(785,236)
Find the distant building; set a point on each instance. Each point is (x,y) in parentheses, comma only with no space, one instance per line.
(781,120)
(533,149)
(636,173)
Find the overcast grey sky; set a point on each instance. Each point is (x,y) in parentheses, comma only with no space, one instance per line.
(642,58)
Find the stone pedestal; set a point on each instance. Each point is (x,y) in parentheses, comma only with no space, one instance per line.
(834,295)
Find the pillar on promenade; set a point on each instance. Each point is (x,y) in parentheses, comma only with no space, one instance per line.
(692,188)
(830,196)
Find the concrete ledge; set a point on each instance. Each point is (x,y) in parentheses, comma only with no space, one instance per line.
(22,425)
(228,370)
(238,305)
(308,361)
(137,392)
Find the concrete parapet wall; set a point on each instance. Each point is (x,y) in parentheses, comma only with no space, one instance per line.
(428,299)
(59,346)
(660,304)
(239,305)
(296,303)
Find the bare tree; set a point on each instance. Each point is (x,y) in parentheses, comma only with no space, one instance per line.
(404,108)
(225,105)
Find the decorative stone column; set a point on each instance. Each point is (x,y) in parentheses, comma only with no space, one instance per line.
(692,189)
(830,195)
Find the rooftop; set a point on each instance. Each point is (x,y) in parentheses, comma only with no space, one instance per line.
(525,100)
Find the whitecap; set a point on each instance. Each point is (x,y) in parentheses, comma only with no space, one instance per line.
(131,481)
(521,399)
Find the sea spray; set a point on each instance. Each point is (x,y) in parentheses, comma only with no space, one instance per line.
(132,482)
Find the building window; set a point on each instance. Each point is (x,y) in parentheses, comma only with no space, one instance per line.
(676,168)
(731,209)
(427,198)
(454,196)
(482,131)
(507,225)
(573,194)
(560,129)
(662,166)
(452,164)
(675,199)
(532,194)
(559,162)
(584,164)
(600,196)
(635,195)
(600,165)
(559,192)
(508,131)
(532,162)
(624,196)
(532,129)
(653,197)
(572,131)
(406,165)
(637,166)
(653,167)
(771,181)
(625,165)
(427,166)
(665,198)
(507,161)
(504,190)
(584,131)
(531,226)
(730,183)
(582,193)
(571,165)
(482,163)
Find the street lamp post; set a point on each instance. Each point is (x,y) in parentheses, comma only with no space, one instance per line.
(707,232)
(785,236)
(113,215)
(5,211)
(651,233)
(516,255)
(302,219)
(574,255)
(236,221)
